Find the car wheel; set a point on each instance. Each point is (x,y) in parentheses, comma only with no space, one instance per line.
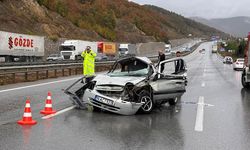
(148,105)
(173,101)
(244,83)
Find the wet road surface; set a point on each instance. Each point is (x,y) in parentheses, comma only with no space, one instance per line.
(213,114)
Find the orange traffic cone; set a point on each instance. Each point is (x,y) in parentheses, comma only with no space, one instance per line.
(48,106)
(27,116)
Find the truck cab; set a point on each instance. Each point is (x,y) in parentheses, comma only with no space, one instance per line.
(127,50)
(68,48)
(72,49)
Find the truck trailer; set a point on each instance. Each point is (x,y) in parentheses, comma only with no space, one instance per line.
(107,48)
(20,47)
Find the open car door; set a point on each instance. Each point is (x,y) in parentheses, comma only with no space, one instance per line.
(171,79)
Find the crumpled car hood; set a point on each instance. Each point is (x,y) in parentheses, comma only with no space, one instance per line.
(121,81)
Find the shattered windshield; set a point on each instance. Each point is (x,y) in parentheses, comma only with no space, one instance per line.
(130,68)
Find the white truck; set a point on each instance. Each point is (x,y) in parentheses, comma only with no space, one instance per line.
(168,48)
(127,50)
(72,49)
(214,48)
(245,78)
(20,47)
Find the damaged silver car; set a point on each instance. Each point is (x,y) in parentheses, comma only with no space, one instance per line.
(132,85)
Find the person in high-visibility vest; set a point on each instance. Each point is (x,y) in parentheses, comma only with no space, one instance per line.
(89,61)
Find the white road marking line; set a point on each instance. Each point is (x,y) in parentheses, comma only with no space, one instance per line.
(36,85)
(203,84)
(59,112)
(199,115)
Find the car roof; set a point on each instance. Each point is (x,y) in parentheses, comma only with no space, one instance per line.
(240,58)
(144,59)
(173,59)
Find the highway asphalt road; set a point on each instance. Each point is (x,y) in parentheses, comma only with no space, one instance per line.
(214,114)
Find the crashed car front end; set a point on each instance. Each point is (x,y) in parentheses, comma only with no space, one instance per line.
(116,94)
(115,101)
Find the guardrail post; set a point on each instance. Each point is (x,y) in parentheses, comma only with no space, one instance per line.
(69,71)
(55,73)
(63,72)
(14,77)
(37,75)
(47,74)
(26,76)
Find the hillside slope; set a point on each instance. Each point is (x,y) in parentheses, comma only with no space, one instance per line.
(116,20)
(236,26)
(27,16)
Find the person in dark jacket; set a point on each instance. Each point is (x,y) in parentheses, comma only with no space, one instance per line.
(179,64)
(161,58)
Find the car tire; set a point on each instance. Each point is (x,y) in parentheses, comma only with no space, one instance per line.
(173,102)
(148,105)
(244,83)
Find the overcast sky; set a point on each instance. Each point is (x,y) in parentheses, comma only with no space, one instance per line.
(204,8)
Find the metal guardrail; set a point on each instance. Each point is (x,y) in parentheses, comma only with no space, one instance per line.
(15,74)
(13,64)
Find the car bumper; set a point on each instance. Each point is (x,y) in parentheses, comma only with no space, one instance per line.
(238,66)
(119,106)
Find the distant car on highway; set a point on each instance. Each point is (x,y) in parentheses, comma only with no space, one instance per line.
(239,64)
(133,84)
(101,57)
(228,60)
(202,51)
(55,57)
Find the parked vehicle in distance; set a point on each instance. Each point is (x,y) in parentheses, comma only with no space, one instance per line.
(133,84)
(54,57)
(214,48)
(202,50)
(239,64)
(245,77)
(228,60)
(101,57)
(168,48)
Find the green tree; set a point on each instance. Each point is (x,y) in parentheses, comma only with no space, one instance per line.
(61,8)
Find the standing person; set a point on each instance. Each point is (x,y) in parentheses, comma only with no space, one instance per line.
(89,61)
(179,64)
(178,54)
(161,58)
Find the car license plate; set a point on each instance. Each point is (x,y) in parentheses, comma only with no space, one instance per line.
(104,100)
